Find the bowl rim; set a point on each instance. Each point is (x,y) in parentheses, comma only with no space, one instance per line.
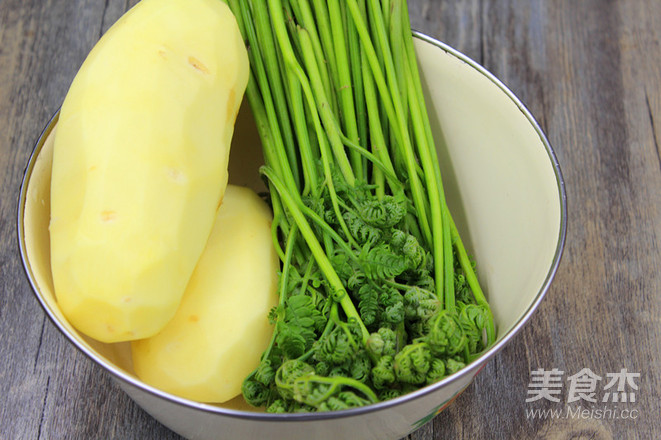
(470,369)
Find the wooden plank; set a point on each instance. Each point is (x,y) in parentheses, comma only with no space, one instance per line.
(49,389)
(589,71)
(455,22)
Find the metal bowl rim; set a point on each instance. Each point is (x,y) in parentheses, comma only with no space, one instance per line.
(470,369)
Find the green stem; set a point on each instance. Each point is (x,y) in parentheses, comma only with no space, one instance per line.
(278,223)
(334,135)
(443,265)
(471,279)
(356,57)
(427,148)
(344,88)
(267,103)
(396,27)
(330,123)
(334,383)
(322,22)
(377,139)
(310,176)
(385,168)
(307,20)
(283,281)
(389,93)
(266,47)
(336,286)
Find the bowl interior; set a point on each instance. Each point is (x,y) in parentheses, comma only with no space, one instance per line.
(502,187)
(500,178)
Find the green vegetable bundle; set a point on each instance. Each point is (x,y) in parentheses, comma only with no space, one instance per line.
(378,296)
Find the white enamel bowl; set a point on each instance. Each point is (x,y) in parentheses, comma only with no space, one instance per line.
(504,188)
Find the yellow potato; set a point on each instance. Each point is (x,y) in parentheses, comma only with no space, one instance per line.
(221,328)
(140,164)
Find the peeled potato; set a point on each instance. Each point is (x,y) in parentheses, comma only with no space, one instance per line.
(140,164)
(221,328)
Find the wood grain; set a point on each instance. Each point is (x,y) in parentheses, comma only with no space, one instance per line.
(590,72)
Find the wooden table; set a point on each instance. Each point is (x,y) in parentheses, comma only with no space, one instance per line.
(590,72)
